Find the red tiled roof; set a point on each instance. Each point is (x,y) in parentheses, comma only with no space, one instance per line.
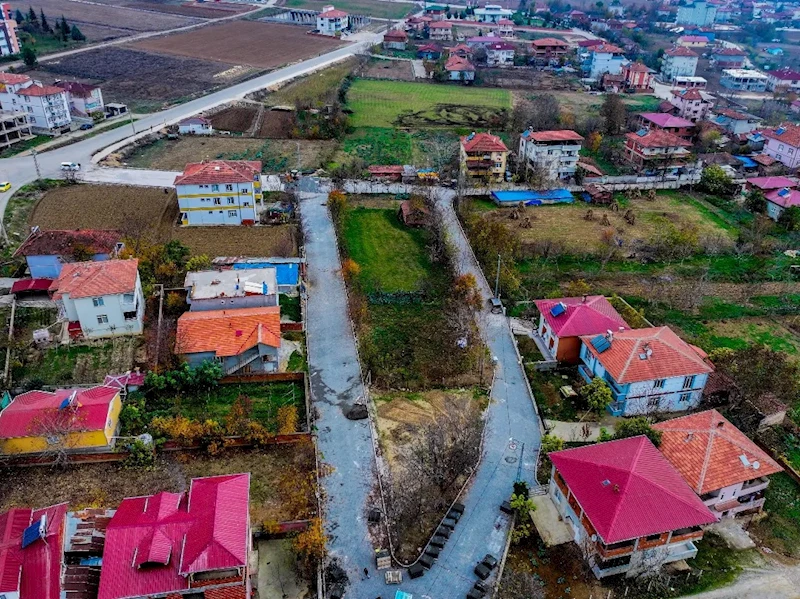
(671,356)
(547,42)
(429,48)
(395,34)
(764,159)
(607,49)
(784,197)
(790,135)
(732,114)
(590,43)
(440,25)
(705,449)
(729,52)
(39,91)
(30,413)
(687,94)
(35,571)
(658,138)
(483,142)
(388,169)
(81,90)
(627,489)
(680,51)
(228,332)
(62,243)
(219,171)
(90,279)
(174,535)
(767,183)
(559,135)
(458,63)
(13,78)
(638,67)
(785,74)
(666,121)
(333,14)
(460,48)
(591,317)
(505,22)
(693,38)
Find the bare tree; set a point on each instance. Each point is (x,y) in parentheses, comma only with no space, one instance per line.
(59,427)
(517,584)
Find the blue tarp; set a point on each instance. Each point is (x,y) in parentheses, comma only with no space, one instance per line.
(748,162)
(533,198)
(287,274)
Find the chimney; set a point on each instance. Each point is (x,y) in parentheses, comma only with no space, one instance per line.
(583,298)
(610,335)
(621,329)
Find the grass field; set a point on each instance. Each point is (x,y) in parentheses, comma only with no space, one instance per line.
(392,257)
(380,145)
(738,333)
(316,89)
(781,529)
(419,105)
(378,8)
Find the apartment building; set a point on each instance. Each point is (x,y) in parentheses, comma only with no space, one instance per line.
(8,31)
(667,122)
(783,80)
(556,152)
(441,31)
(604,58)
(744,80)
(678,62)
(783,144)
(47,106)
(492,13)
(332,22)
(219,192)
(499,54)
(691,104)
(697,13)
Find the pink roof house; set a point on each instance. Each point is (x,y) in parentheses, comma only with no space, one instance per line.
(778,200)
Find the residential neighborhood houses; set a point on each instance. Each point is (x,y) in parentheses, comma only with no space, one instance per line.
(271,331)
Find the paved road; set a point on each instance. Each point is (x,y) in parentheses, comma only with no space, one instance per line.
(347,446)
(20,170)
(780,583)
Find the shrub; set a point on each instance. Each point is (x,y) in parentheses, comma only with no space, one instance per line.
(288,420)
(310,545)
(633,427)
(141,456)
(597,394)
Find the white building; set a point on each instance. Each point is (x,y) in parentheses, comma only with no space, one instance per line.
(84,100)
(492,13)
(783,144)
(195,125)
(744,80)
(231,289)
(605,58)
(678,62)
(697,13)
(556,152)
(500,54)
(100,299)
(783,80)
(332,22)
(46,105)
(219,192)
(8,31)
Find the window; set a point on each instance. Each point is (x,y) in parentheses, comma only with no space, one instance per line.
(231,200)
(780,147)
(688,382)
(232,213)
(32,119)
(229,187)
(215,188)
(652,403)
(127,298)
(129,315)
(245,203)
(498,165)
(685,397)
(217,201)
(97,301)
(658,384)
(653,537)
(245,191)
(102,319)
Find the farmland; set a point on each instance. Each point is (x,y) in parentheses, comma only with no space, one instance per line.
(279,240)
(276,155)
(237,119)
(251,43)
(143,80)
(419,105)
(374,8)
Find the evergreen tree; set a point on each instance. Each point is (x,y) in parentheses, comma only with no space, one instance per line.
(18,17)
(63,29)
(76,34)
(32,18)
(45,25)
(29,56)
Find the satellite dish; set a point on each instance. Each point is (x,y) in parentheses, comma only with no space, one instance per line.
(756,465)
(145,438)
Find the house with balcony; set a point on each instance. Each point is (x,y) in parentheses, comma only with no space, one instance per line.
(629,510)
(483,157)
(662,121)
(555,152)
(100,299)
(192,545)
(648,370)
(723,467)
(332,22)
(654,150)
(500,54)
(231,289)
(637,77)
(441,31)
(563,321)
(691,104)
(459,68)
(243,340)
(744,80)
(505,27)
(678,62)
(492,13)
(604,58)
(783,144)
(735,122)
(783,80)
(14,128)
(84,100)
(728,58)
(219,192)
(395,39)
(549,49)
(46,106)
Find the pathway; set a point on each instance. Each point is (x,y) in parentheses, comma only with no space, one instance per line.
(419,69)
(782,582)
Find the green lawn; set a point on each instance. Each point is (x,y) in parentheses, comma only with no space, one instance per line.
(781,529)
(419,105)
(380,145)
(380,9)
(392,256)
(290,307)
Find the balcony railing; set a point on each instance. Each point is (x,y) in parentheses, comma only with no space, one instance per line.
(685,550)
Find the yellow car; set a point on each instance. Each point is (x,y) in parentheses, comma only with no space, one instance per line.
(4,186)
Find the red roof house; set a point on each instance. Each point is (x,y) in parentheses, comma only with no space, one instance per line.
(648,370)
(725,468)
(174,542)
(219,171)
(656,149)
(47,251)
(562,321)
(666,122)
(483,155)
(91,279)
(623,498)
(31,546)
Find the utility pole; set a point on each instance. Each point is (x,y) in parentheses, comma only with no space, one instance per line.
(497,279)
(130,117)
(36,164)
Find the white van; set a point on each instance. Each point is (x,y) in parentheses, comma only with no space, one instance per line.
(70,166)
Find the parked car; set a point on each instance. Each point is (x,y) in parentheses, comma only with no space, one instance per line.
(4,186)
(70,166)
(87,126)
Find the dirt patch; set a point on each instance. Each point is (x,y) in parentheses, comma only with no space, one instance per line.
(262,45)
(278,240)
(528,79)
(388,69)
(216,10)
(276,124)
(106,207)
(237,119)
(106,485)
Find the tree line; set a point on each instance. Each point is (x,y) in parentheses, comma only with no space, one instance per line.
(34,24)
